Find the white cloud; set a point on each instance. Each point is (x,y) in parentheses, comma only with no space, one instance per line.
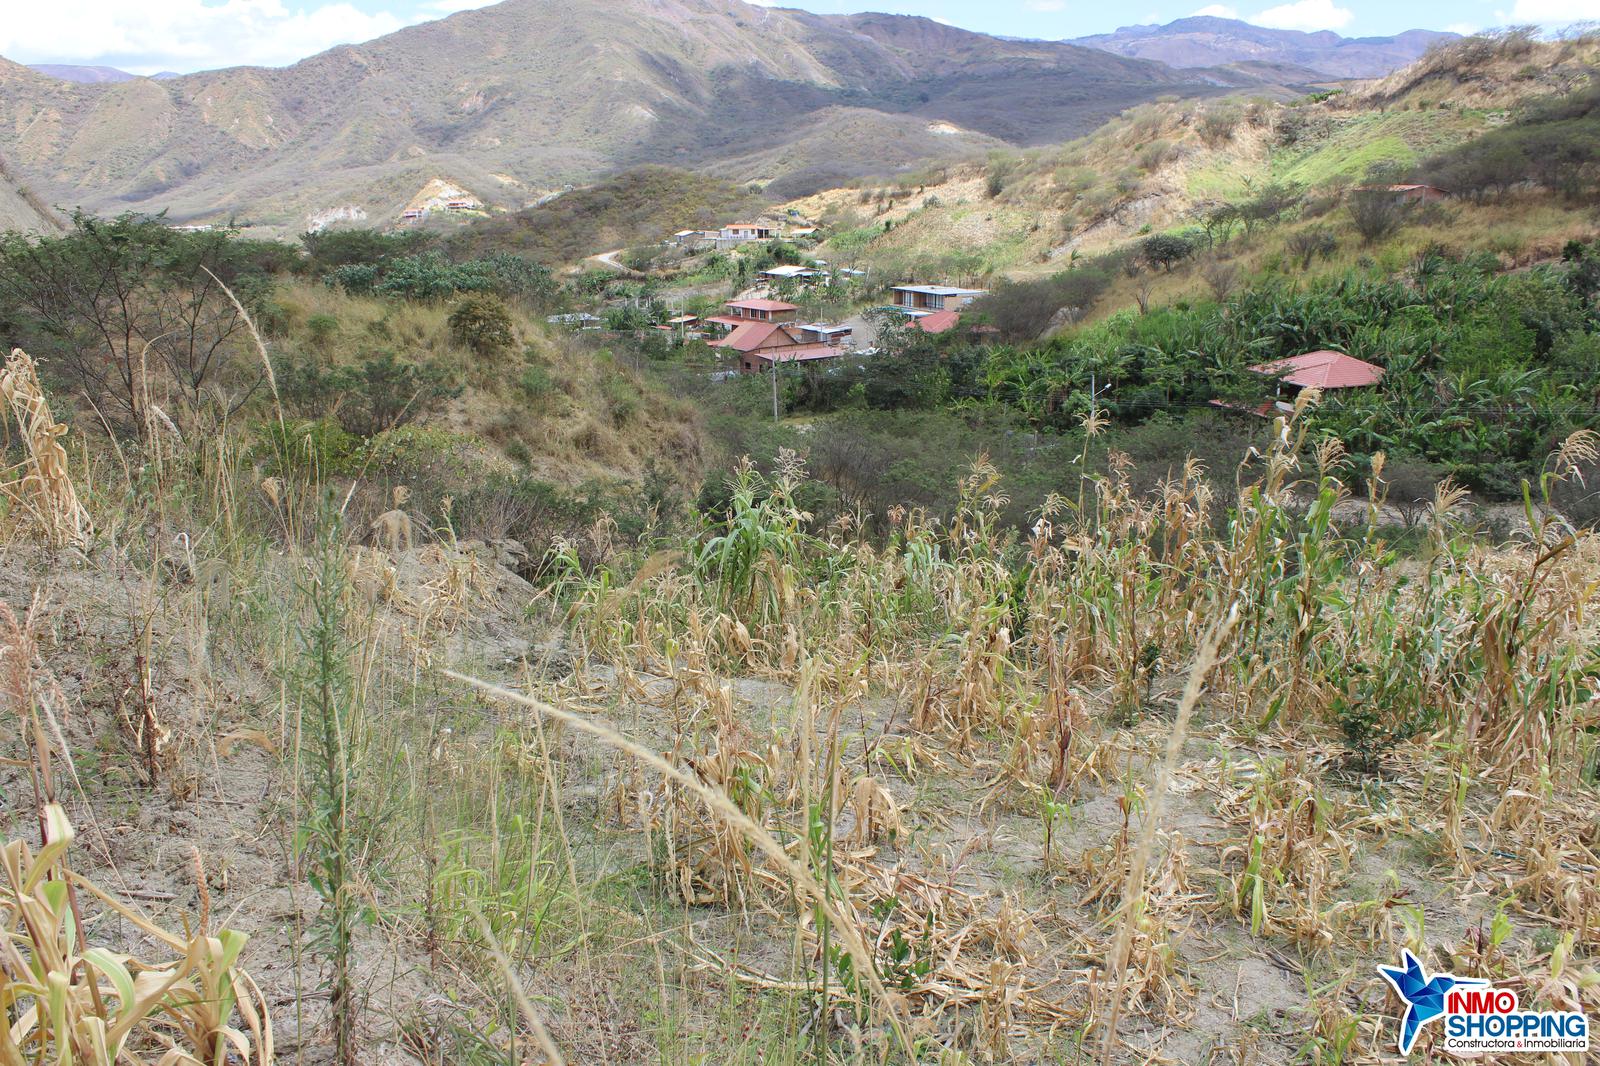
(1219,11)
(1308,15)
(450,7)
(184,35)
(1555,12)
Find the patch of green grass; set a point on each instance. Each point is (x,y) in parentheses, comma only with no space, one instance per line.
(1402,137)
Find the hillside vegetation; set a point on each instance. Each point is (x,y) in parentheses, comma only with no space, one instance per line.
(636,207)
(1171,164)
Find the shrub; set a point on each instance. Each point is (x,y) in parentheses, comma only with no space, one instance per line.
(1165,250)
(1375,213)
(1217,125)
(481,322)
(535,382)
(321,329)
(1311,243)
(1021,310)
(378,393)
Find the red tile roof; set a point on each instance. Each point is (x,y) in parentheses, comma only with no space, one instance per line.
(764,305)
(752,335)
(938,322)
(1323,370)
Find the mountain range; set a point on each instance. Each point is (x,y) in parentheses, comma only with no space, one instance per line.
(90,75)
(1207,41)
(515,100)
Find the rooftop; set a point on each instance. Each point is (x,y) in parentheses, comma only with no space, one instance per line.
(940,290)
(938,322)
(764,305)
(1323,370)
(751,335)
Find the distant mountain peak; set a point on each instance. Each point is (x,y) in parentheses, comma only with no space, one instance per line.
(1209,40)
(81,74)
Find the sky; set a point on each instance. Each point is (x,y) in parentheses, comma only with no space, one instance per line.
(150,36)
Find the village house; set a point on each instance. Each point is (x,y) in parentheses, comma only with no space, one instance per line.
(821,333)
(918,300)
(693,238)
(1325,370)
(740,312)
(737,233)
(760,346)
(789,272)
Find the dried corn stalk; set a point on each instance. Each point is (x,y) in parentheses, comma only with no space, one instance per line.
(46,488)
(69,1002)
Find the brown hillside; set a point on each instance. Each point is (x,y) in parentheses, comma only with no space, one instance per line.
(544,93)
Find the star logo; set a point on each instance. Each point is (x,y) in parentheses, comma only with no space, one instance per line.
(1424,996)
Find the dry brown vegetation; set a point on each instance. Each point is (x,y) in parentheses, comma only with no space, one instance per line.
(1148,782)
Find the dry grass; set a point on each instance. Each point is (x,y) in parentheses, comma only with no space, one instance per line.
(780,794)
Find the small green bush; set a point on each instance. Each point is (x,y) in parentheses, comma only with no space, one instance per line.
(481,322)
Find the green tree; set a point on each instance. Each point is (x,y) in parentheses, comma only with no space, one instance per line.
(129,309)
(1165,250)
(482,322)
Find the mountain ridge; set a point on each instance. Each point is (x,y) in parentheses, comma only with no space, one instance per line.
(526,95)
(1209,40)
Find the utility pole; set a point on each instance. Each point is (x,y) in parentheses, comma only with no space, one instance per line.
(774,373)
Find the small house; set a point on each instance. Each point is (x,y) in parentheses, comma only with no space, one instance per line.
(821,333)
(789,272)
(1325,370)
(918,300)
(741,311)
(736,233)
(576,320)
(762,345)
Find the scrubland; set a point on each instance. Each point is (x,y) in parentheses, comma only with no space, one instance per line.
(1164,776)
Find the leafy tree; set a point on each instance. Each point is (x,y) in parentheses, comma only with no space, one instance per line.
(425,277)
(482,323)
(131,312)
(326,250)
(1268,205)
(379,392)
(1165,250)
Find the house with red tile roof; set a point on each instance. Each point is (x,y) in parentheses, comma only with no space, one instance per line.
(761,345)
(1327,371)
(741,311)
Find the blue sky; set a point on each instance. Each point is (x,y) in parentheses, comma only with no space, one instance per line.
(147,36)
